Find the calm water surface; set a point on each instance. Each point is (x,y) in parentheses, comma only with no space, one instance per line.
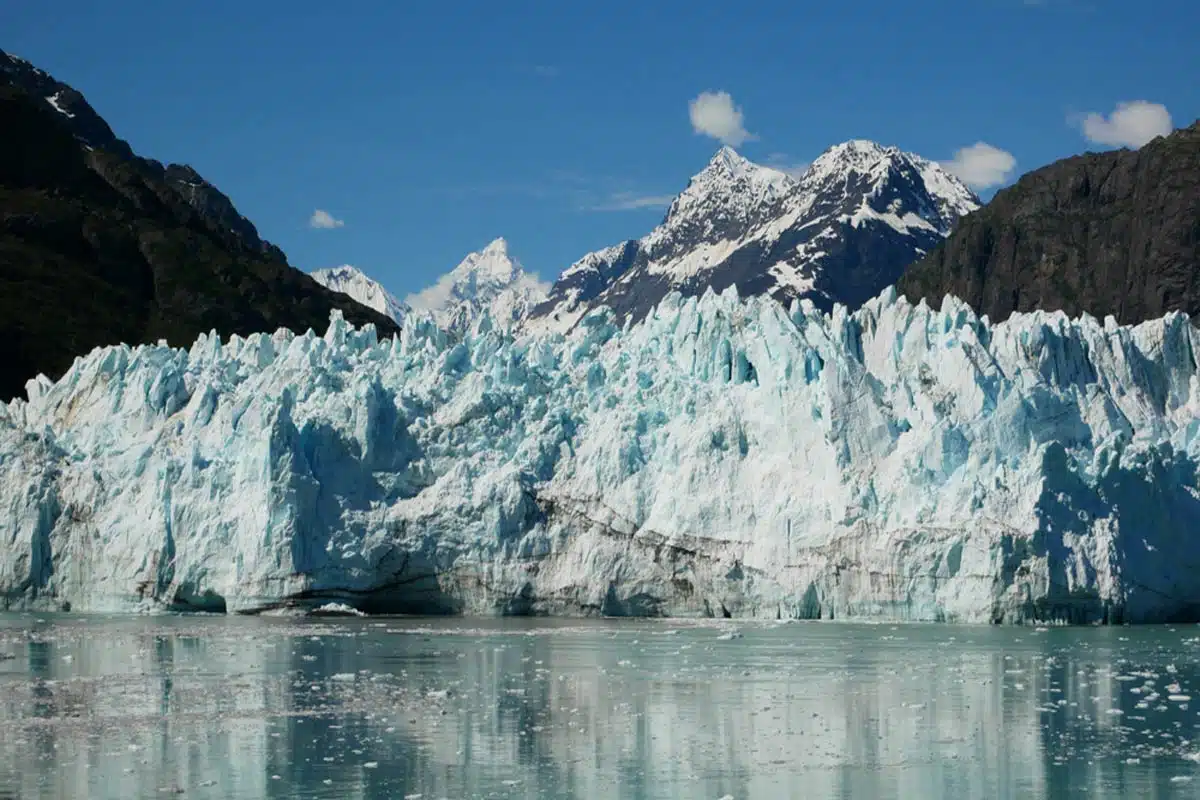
(393,707)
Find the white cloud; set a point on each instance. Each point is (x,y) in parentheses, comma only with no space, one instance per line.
(982,166)
(714,114)
(324,220)
(1131,124)
(435,297)
(631,201)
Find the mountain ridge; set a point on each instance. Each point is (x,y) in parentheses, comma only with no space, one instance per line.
(841,232)
(1109,233)
(362,288)
(100,246)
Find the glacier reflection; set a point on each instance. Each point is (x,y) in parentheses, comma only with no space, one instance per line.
(228,707)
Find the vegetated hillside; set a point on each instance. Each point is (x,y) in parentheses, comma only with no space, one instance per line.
(99,246)
(1107,233)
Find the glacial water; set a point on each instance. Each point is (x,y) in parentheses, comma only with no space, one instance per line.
(225,707)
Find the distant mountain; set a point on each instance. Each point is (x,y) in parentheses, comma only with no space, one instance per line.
(99,246)
(840,233)
(369,292)
(489,280)
(1115,233)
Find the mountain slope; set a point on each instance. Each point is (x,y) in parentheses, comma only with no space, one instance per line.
(354,283)
(99,246)
(839,234)
(488,280)
(1104,233)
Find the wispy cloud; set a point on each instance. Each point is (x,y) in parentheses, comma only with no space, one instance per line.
(1073,5)
(714,114)
(323,220)
(788,165)
(982,166)
(1131,124)
(571,189)
(632,201)
(545,70)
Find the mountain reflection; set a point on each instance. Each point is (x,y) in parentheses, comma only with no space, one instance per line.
(225,707)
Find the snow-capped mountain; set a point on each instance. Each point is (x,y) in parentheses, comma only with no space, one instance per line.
(723,457)
(489,280)
(840,233)
(358,286)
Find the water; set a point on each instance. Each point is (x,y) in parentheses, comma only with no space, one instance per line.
(392,707)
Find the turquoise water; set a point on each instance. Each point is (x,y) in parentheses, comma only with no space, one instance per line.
(394,707)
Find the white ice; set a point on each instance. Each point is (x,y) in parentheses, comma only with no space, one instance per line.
(725,457)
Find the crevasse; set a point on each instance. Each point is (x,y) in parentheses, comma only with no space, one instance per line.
(724,457)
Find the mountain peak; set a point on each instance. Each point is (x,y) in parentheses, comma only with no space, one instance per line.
(492,265)
(488,280)
(356,284)
(729,186)
(859,155)
(496,247)
(728,164)
(838,234)
(874,171)
(731,162)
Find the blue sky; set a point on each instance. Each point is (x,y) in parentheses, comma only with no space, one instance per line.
(429,129)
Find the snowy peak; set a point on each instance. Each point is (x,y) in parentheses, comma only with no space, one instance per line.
(497,248)
(885,179)
(354,283)
(488,281)
(731,164)
(840,233)
(729,186)
(856,154)
(490,267)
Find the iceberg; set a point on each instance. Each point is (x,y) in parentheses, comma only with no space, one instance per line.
(724,457)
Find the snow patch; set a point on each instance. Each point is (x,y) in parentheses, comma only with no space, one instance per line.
(54,103)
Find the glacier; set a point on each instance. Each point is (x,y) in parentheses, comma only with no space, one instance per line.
(723,457)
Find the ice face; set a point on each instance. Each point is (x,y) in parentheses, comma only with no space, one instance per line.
(723,457)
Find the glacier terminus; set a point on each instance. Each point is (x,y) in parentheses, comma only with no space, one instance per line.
(723,456)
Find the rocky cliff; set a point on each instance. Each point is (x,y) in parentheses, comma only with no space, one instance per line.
(1104,233)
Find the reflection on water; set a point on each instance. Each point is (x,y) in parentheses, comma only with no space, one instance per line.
(234,707)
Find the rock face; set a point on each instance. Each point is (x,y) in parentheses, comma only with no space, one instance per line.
(840,233)
(1104,233)
(99,246)
(723,457)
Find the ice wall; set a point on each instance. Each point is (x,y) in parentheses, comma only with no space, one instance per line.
(725,457)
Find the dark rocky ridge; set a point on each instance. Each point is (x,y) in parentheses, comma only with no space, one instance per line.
(99,246)
(1104,233)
